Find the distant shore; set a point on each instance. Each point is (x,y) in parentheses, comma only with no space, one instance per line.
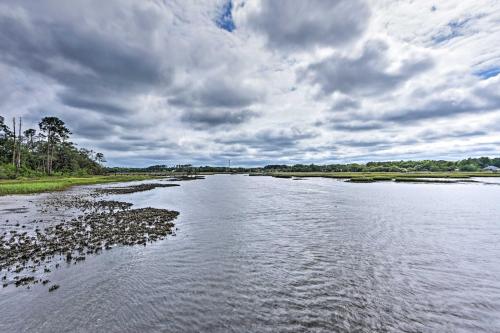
(368,177)
(48,184)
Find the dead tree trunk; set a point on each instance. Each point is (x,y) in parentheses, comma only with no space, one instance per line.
(14,143)
(52,152)
(48,152)
(19,143)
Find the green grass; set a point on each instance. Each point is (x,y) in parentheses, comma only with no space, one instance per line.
(420,180)
(47,184)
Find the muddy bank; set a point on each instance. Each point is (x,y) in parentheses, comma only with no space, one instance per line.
(182,178)
(133,188)
(29,252)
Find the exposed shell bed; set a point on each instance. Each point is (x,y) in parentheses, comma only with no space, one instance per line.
(132,189)
(184,178)
(28,255)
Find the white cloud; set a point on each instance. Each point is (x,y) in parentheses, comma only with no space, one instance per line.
(295,81)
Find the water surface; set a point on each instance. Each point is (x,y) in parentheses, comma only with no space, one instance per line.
(261,254)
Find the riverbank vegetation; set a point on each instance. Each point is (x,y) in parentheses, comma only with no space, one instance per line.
(469,165)
(44,151)
(53,183)
(465,165)
(41,160)
(369,177)
(385,175)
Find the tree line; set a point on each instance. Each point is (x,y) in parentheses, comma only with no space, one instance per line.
(465,165)
(48,151)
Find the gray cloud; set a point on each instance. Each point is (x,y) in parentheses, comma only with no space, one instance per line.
(367,74)
(217,92)
(104,107)
(81,58)
(128,75)
(345,103)
(212,117)
(270,139)
(94,129)
(138,145)
(356,126)
(380,143)
(438,108)
(308,23)
(432,135)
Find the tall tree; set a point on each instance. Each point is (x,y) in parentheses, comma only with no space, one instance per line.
(56,131)
(99,157)
(5,135)
(29,134)
(4,129)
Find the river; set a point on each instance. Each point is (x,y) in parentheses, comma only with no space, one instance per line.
(261,254)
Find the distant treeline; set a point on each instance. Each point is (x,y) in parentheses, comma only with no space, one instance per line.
(48,151)
(188,168)
(467,165)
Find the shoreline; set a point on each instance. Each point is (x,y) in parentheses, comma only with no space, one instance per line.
(53,184)
(398,177)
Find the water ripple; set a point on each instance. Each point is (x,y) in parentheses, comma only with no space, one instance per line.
(258,254)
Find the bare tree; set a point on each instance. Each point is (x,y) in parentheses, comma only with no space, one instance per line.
(14,141)
(19,142)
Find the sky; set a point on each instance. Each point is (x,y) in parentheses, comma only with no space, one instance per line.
(258,82)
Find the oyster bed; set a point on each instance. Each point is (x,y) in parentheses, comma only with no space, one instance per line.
(133,189)
(97,225)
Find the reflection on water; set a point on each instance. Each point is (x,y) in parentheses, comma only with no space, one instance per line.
(257,254)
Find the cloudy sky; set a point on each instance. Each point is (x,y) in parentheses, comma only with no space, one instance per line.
(258,82)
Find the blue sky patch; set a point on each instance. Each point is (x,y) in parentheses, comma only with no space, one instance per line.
(225,18)
(453,29)
(487,73)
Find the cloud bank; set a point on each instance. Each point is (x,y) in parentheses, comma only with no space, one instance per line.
(299,81)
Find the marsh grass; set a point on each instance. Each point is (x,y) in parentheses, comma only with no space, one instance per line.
(382,178)
(48,184)
(282,176)
(386,176)
(428,180)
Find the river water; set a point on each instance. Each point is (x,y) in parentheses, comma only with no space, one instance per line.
(261,254)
